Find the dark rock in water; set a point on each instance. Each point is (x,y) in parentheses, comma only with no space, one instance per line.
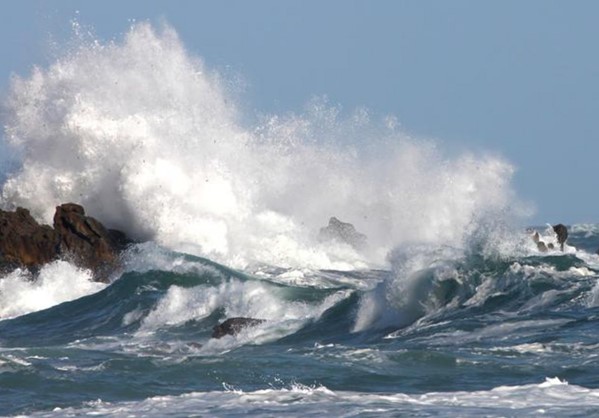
(23,242)
(345,232)
(562,234)
(75,236)
(233,326)
(85,240)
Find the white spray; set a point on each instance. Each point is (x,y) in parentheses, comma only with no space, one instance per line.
(147,138)
(57,282)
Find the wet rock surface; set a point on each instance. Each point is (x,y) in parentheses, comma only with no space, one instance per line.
(74,236)
(233,326)
(344,232)
(562,234)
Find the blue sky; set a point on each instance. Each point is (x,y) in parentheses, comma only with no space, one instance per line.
(519,78)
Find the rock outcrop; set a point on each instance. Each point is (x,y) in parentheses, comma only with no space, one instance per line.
(75,237)
(233,326)
(542,247)
(23,242)
(562,234)
(344,232)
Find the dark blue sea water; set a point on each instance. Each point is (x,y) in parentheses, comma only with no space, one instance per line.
(463,337)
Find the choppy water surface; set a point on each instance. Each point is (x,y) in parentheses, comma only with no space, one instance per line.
(465,336)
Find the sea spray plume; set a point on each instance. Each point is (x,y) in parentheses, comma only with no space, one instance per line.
(127,129)
(147,139)
(476,221)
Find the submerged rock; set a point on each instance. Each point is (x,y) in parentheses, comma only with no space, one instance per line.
(75,236)
(340,231)
(233,326)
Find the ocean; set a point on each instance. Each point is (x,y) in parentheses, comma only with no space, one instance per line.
(447,307)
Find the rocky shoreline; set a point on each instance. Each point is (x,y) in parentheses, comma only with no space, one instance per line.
(78,238)
(74,236)
(85,242)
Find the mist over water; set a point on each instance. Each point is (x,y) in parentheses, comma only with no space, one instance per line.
(147,138)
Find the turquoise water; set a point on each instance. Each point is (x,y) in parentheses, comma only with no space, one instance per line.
(474,337)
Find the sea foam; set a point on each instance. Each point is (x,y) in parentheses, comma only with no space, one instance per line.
(552,397)
(150,140)
(57,282)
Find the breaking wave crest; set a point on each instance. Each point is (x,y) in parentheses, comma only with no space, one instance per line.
(150,140)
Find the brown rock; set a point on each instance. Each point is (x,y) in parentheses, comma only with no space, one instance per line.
(84,239)
(23,242)
(75,236)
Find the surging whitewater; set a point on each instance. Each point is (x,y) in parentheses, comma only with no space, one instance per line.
(448,310)
(149,140)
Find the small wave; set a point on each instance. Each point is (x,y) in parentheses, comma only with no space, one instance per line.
(553,397)
(434,286)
